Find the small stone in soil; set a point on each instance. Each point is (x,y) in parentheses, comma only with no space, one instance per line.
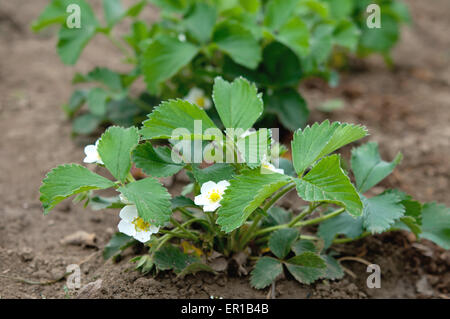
(26,254)
(80,238)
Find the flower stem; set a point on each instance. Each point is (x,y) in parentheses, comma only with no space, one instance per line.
(304,213)
(188,233)
(320,219)
(277,196)
(299,224)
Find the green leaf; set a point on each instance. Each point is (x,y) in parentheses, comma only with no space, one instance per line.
(181,201)
(343,224)
(117,243)
(115,148)
(163,58)
(67,180)
(278,12)
(266,270)
(238,43)
(156,161)
(295,35)
(152,200)
(277,216)
(171,257)
(401,11)
(303,245)
(346,34)
(289,106)
(334,270)
(101,202)
(252,6)
(307,259)
(340,9)
(145,264)
(305,275)
(318,140)
(287,166)
(96,101)
(175,116)
(381,39)
(135,9)
(436,224)
(113,10)
(76,101)
(281,65)
(368,167)
(412,219)
(280,241)
(200,21)
(321,44)
(216,173)
(104,76)
(55,12)
(380,212)
(86,123)
(71,42)
(238,103)
(245,193)
(410,223)
(316,7)
(327,182)
(172,6)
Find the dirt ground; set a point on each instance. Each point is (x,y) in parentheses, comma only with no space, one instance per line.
(406,109)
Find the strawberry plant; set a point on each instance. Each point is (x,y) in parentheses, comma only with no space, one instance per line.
(275,44)
(236,186)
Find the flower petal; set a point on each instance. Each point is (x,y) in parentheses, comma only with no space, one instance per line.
(153,229)
(208,104)
(208,186)
(212,207)
(201,200)
(91,154)
(143,236)
(129,213)
(222,185)
(126,228)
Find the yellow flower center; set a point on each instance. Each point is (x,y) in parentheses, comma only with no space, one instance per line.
(200,101)
(214,196)
(140,224)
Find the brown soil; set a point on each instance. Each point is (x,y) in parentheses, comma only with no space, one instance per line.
(405,109)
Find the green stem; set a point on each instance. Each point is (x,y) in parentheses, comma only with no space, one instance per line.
(320,219)
(278,196)
(119,45)
(166,237)
(303,214)
(347,240)
(183,229)
(185,212)
(299,224)
(175,234)
(130,178)
(248,235)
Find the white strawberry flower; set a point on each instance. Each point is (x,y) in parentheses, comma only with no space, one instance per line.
(197,96)
(269,166)
(133,225)
(210,195)
(92,155)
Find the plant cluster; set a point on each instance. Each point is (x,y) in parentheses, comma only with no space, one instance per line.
(237,186)
(275,44)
